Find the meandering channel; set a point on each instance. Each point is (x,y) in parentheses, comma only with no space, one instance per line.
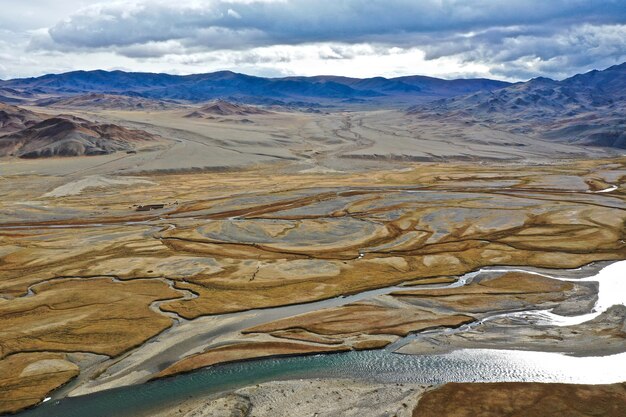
(475,365)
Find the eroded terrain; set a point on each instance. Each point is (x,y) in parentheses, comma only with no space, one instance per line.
(250,233)
(125,279)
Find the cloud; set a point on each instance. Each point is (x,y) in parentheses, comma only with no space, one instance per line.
(527,52)
(35,14)
(508,39)
(125,23)
(233,13)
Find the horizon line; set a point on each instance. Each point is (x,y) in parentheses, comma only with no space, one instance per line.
(298,76)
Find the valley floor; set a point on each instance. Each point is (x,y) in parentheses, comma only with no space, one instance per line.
(232,243)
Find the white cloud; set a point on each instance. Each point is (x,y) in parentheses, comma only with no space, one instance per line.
(507,39)
(233,13)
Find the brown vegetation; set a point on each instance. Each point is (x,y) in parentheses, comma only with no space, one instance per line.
(26,378)
(265,238)
(522,399)
(84,315)
(242,351)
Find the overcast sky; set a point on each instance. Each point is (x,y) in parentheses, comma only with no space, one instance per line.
(503,39)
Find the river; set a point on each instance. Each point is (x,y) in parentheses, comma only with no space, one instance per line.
(475,365)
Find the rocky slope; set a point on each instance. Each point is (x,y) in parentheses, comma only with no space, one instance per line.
(14,118)
(106,102)
(225,108)
(586,109)
(69,136)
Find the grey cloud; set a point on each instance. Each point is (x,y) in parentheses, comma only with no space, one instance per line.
(514,38)
(556,54)
(299,21)
(152,49)
(19,15)
(252,58)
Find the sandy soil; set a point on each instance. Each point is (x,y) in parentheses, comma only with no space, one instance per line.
(339,141)
(294,208)
(93,181)
(321,398)
(327,398)
(602,336)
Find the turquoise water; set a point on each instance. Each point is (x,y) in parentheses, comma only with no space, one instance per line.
(475,365)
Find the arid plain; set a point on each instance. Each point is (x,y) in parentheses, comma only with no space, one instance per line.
(239,234)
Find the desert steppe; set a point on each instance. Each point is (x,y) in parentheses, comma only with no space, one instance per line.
(283,232)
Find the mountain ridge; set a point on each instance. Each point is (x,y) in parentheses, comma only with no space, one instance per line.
(221,84)
(25,134)
(585,109)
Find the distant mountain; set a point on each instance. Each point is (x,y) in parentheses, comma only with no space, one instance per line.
(225,108)
(106,102)
(14,118)
(70,136)
(203,87)
(588,109)
(12,96)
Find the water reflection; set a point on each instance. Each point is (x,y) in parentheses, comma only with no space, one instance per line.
(476,365)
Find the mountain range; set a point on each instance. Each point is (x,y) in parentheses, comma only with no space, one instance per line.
(26,134)
(244,88)
(586,109)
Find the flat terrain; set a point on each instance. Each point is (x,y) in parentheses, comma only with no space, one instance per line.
(235,240)
(327,398)
(321,142)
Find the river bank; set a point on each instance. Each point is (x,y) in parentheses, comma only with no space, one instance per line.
(329,398)
(267,261)
(369,367)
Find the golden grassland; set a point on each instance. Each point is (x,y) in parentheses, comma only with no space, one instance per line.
(77,270)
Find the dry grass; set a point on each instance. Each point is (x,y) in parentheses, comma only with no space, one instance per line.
(297,237)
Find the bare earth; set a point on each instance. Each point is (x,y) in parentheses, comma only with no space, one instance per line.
(327,398)
(234,239)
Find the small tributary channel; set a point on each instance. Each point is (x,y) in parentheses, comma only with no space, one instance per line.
(474,365)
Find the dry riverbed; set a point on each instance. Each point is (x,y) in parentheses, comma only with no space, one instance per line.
(91,271)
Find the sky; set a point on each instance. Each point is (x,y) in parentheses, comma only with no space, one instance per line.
(502,39)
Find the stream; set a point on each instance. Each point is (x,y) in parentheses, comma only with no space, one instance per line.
(466,365)
(476,365)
